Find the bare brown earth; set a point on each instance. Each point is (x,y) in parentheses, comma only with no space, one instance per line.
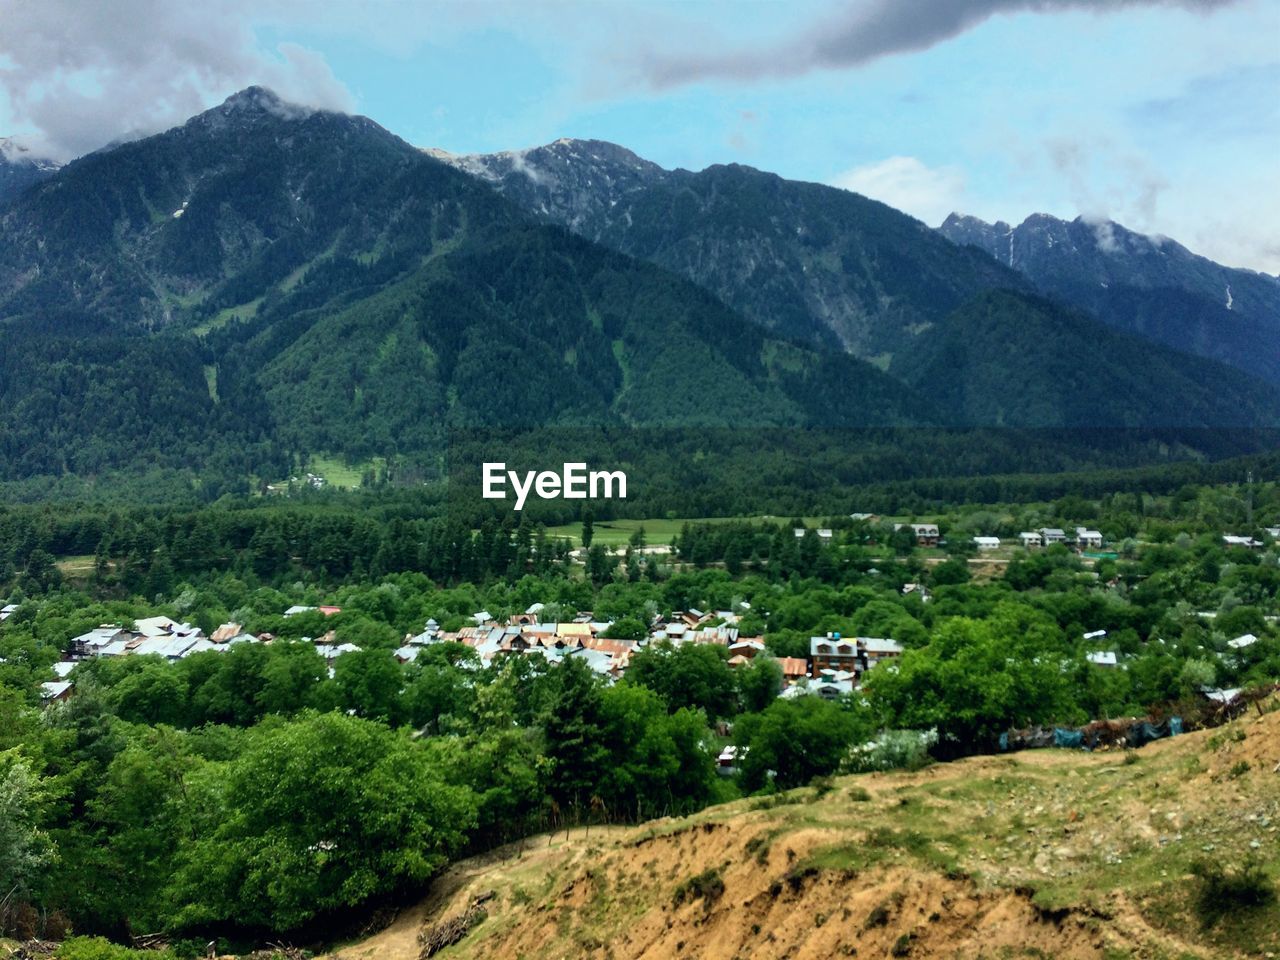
(1042,854)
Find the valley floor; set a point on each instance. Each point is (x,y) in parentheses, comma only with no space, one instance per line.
(1044,853)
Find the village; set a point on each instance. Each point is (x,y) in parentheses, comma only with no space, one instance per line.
(834,666)
(832,669)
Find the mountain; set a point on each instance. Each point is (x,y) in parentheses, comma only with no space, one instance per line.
(1150,286)
(20,168)
(837,270)
(1017,360)
(812,262)
(266,281)
(214,213)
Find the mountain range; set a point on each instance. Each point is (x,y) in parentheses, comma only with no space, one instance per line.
(836,268)
(268,282)
(1151,286)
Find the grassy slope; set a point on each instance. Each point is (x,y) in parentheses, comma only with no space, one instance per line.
(1046,853)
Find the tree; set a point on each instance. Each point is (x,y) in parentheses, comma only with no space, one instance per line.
(693,675)
(976,679)
(600,564)
(290,677)
(24,848)
(142,818)
(588,528)
(317,814)
(657,760)
(798,740)
(42,573)
(370,683)
(502,768)
(627,628)
(759,682)
(150,691)
(438,688)
(572,726)
(951,571)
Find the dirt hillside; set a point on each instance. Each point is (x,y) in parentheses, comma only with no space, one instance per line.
(1046,853)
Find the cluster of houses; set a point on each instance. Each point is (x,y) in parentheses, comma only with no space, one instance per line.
(833,667)
(928,535)
(1109,658)
(313,480)
(171,639)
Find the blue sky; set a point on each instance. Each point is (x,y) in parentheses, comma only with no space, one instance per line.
(1162,115)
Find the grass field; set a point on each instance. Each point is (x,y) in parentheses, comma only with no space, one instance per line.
(245,311)
(613,533)
(337,473)
(76,567)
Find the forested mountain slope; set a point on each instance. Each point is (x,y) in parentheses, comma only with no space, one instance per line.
(266,283)
(845,272)
(321,285)
(1021,360)
(812,261)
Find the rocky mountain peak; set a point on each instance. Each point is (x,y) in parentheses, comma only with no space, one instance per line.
(252,105)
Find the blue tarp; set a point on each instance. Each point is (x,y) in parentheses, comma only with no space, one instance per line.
(1094,735)
(1067,738)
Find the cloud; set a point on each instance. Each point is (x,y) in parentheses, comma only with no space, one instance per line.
(1104,232)
(929,193)
(79,75)
(859,32)
(1104,180)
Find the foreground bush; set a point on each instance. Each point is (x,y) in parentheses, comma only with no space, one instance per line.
(892,750)
(1224,891)
(98,948)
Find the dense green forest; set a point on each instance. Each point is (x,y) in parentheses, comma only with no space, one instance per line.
(267,791)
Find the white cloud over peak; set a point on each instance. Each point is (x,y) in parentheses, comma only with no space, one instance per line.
(929,193)
(77,75)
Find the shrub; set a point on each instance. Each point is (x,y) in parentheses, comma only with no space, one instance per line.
(821,787)
(878,917)
(892,750)
(707,886)
(1225,891)
(99,948)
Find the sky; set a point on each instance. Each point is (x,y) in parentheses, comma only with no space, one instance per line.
(1161,114)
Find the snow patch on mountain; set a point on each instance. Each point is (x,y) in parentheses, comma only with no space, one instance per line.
(15,153)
